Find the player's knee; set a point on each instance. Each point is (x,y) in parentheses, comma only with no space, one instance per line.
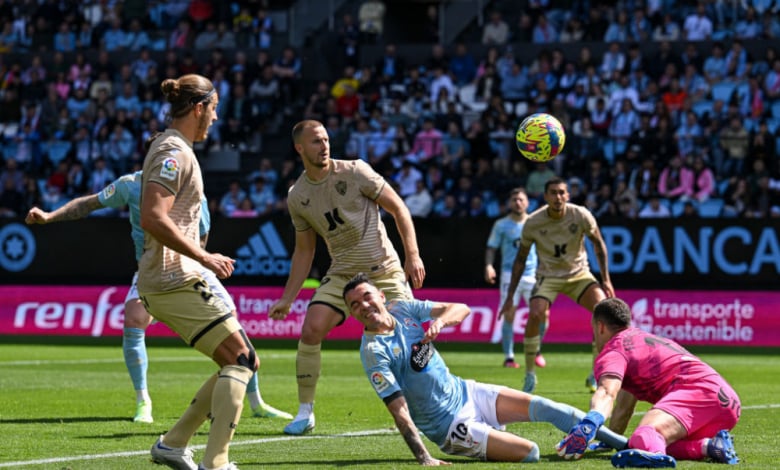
(533,454)
(249,360)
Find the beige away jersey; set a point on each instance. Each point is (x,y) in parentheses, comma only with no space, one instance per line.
(559,242)
(341,208)
(172,164)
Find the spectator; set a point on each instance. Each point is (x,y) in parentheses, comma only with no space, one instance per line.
(359,141)
(182,37)
(11,199)
(735,141)
(698,26)
(427,144)
(231,200)
(406,179)
(101,176)
(618,30)
(703,180)
(371,16)
(676,180)
(668,30)
(496,31)
(263,29)
(288,70)
(420,203)
(65,39)
(262,197)
(655,209)
(463,67)
(244,210)
(736,197)
(544,32)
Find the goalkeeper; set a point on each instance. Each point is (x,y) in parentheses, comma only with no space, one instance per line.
(462,417)
(694,408)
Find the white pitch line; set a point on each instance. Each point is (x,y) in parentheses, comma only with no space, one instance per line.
(76,458)
(46,362)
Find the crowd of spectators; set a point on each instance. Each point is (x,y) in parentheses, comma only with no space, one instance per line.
(672,128)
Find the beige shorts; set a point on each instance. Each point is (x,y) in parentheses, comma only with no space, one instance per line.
(392,283)
(194,312)
(549,287)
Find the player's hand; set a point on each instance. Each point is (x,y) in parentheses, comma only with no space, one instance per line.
(599,446)
(434,328)
(433,462)
(575,444)
(221,265)
(36,216)
(506,309)
(609,291)
(280,310)
(415,271)
(490,274)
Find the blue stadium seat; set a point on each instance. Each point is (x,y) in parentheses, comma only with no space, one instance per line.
(723,91)
(711,207)
(702,107)
(677,208)
(58,150)
(776,109)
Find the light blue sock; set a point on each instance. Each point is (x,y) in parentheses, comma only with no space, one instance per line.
(543,329)
(253,392)
(508,339)
(533,456)
(564,417)
(134,349)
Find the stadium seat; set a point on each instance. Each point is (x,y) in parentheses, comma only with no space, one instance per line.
(711,207)
(772,124)
(677,208)
(776,109)
(702,107)
(723,91)
(467,95)
(58,150)
(10,149)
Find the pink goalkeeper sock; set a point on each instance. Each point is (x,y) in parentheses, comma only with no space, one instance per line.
(647,438)
(687,450)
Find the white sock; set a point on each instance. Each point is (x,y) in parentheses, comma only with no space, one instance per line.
(142,395)
(304,411)
(254,400)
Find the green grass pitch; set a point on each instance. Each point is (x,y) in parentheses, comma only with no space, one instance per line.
(68,405)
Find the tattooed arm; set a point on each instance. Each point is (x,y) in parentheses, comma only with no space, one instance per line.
(73,210)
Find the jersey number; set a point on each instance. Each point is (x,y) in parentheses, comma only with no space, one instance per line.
(655,341)
(333,218)
(460,432)
(560,250)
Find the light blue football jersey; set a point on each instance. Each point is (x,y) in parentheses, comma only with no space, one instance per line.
(398,362)
(126,191)
(505,236)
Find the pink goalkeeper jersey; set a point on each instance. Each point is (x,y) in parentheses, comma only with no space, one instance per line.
(650,366)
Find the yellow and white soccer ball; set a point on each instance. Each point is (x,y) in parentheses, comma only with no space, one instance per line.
(540,137)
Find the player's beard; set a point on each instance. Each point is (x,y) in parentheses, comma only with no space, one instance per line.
(202,131)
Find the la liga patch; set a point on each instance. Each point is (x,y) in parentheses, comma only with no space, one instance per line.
(379,382)
(109,191)
(169,169)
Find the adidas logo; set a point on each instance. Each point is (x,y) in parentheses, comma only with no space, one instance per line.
(263,255)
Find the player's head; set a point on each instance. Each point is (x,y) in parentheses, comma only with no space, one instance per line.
(364,301)
(610,316)
(192,96)
(556,193)
(312,143)
(518,201)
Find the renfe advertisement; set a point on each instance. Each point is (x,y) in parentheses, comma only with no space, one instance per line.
(690,317)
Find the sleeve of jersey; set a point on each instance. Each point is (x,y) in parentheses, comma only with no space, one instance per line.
(417,309)
(166,170)
(526,237)
(610,363)
(493,240)
(370,182)
(377,366)
(115,195)
(588,222)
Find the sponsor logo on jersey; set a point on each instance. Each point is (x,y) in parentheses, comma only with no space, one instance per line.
(169,169)
(264,254)
(379,382)
(421,355)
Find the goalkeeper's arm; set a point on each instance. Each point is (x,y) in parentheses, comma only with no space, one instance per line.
(403,421)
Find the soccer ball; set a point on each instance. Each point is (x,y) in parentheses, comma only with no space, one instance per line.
(540,137)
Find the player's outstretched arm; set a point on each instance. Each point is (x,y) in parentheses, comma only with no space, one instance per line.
(445,314)
(300,266)
(73,210)
(390,201)
(600,250)
(622,412)
(518,266)
(403,421)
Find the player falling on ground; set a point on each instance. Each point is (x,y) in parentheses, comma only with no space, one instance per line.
(505,236)
(125,191)
(694,408)
(558,230)
(339,200)
(462,417)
